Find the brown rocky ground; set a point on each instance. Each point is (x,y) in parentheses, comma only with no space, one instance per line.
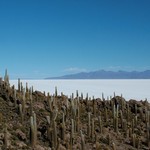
(31,120)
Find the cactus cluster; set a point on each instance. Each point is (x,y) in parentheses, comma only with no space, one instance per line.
(59,122)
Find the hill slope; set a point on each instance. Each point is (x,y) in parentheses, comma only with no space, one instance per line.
(33,121)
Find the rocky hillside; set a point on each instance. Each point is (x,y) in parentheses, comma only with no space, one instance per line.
(32,120)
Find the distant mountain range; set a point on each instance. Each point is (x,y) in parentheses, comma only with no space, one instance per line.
(102,74)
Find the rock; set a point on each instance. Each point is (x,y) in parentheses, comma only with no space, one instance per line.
(1,136)
(38,93)
(10,104)
(39,147)
(1,143)
(21,144)
(21,135)
(39,105)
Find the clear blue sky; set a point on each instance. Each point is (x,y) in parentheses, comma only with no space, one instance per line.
(44,38)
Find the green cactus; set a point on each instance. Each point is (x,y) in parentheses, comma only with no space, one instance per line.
(5,137)
(89,124)
(33,130)
(19,88)
(82,141)
(93,129)
(100,124)
(113,146)
(21,112)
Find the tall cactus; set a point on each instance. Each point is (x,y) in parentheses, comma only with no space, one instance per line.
(100,123)
(21,112)
(5,138)
(33,130)
(6,78)
(115,117)
(89,124)
(56,93)
(55,134)
(82,141)
(72,133)
(19,87)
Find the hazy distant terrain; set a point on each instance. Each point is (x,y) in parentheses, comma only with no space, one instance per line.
(102,74)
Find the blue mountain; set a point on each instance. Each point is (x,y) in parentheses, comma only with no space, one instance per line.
(102,74)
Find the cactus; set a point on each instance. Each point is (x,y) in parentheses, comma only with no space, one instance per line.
(114,115)
(114,94)
(31,104)
(127,132)
(63,128)
(97,143)
(48,120)
(137,143)
(100,124)
(130,132)
(87,96)
(24,101)
(94,107)
(6,78)
(44,93)
(78,118)
(134,140)
(122,103)
(124,125)
(21,85)
(53,99)
(132,125)
(121,118)
(72,107)
(27,87)
(1,118)
(54,114)
(113,146)
(109,140)
(148,134)
(72,133)
(103,97)
(77,93)
(93,129)
(82,141)
(106,116)
(49,103)
(89,124)
(21,112)
(81,96)
(49,129)
(141,116)
(67,103)
(15,98)
(1,80)
(135,120)
(135,109)
(54,134)
(56,93)
(115,118)
(5,138)
(33,130)
(128,111)
(19,88)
